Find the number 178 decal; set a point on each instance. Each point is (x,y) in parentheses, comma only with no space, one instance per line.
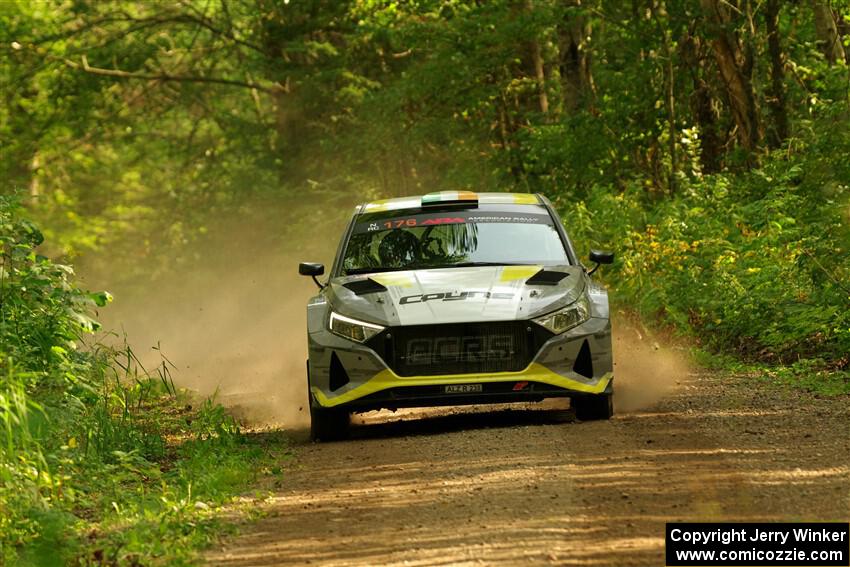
(404,223)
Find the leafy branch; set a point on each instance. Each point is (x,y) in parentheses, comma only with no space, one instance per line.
(83,65)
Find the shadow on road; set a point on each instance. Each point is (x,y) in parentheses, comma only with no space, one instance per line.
(432,423)
(436,421)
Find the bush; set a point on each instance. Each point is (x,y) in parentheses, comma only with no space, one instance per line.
(753,263)
(100,460)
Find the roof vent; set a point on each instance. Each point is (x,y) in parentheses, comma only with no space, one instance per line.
(364,286)
(546,277)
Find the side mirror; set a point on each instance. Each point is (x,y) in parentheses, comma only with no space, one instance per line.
(312,269)
(600,257)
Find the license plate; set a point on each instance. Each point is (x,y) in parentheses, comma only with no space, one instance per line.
(464,388)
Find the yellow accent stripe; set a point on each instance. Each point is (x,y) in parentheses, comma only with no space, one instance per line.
(511,273)
(535,372)
(400,279)
(525,199)
(391,204)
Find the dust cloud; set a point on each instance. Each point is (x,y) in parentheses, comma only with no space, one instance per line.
(233,322)
(646,368)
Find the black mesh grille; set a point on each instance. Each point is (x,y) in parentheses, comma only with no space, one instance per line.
(460,348)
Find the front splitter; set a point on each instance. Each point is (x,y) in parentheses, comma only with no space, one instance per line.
(535,372)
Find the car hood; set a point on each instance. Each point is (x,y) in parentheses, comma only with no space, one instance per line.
(454,295)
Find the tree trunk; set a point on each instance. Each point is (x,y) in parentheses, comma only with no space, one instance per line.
(695,57)
(843,26)
(778,133)
(507,129)
(711,146)
(659,13)
(574,58)
(540,75)
(671,114)
(534,65)
(35,184)
(733,66)
(826,29)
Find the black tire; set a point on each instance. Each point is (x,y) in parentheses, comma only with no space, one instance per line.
(326,424)
(329,424)
(593,407)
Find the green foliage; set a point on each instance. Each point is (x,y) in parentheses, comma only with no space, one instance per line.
(754,263)
(133,128)
(100,460)
(129,136)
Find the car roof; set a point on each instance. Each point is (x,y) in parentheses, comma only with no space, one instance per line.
(415,201)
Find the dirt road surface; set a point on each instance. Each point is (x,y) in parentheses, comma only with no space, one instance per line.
(534,486)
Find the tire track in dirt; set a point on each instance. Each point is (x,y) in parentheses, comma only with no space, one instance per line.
(533,486)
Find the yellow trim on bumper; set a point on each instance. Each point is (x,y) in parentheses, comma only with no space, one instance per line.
(535,372)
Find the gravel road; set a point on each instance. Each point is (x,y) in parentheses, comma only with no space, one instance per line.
(532,485)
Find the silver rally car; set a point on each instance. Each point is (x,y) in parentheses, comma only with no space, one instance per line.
(456,298)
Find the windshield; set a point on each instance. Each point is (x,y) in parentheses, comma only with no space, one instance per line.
(454,238)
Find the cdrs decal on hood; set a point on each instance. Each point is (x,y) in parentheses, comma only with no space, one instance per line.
(452,296)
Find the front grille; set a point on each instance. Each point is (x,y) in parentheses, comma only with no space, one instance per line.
(459,348)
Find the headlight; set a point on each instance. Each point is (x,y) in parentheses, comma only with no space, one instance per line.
(352,329)
(568,317)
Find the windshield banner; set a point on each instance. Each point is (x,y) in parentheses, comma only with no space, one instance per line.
(425,220)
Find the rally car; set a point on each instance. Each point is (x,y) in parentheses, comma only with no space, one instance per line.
(456,298)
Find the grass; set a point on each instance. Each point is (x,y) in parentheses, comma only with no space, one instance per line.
(811,375)
(102,462)
(138,511)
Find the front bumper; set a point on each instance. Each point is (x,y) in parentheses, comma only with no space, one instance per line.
(370,384)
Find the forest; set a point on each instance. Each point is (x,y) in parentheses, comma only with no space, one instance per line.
(705,142)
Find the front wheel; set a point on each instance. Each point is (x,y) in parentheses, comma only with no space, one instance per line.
(593,407)
(326,424)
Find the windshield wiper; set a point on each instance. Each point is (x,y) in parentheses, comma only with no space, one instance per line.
(476,264)
(355,271)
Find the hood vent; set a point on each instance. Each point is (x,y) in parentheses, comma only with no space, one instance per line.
(545,277)
(338,377)
(583,364)
(362,287)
